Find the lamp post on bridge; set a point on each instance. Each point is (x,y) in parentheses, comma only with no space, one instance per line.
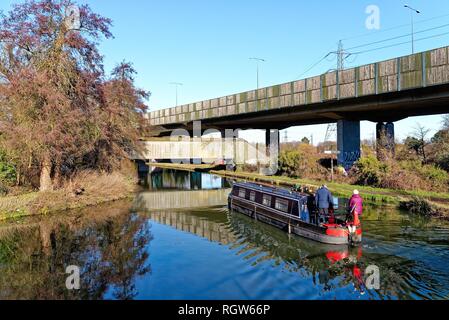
(176,84)
(412,11)
(258,60)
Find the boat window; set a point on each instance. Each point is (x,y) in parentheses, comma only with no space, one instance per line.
(281,205)
(242,193)
(266,200)
(252,196)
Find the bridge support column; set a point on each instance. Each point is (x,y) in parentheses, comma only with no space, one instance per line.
(386,145)
(197,134)
(348,141)
(272,139)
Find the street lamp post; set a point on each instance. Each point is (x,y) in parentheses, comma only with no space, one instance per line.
(412,11)
(176,84)
(258,60)
(331,153)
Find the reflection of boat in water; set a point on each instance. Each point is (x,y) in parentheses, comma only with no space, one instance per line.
(329,267)
(290,211)
(326,262)
(262,244)
(292,249)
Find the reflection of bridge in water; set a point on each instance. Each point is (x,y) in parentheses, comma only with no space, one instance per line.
(159,208)
(169,200)
(214,231)
(163,179)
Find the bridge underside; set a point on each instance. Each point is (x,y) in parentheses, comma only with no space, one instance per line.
(389,107)
(386,108)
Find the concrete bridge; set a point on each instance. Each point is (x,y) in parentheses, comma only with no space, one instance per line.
(206,150)
(382,92)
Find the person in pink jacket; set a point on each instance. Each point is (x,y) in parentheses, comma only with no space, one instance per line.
(356,206)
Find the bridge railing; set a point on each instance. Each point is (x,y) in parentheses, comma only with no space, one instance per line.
(423,69)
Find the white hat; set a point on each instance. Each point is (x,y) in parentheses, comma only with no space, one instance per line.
(356,192)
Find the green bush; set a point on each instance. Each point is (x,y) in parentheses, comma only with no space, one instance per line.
(442,161)
(8,172)
(289,163)
(419,206)
(399,175)
(438,178)
(369,171)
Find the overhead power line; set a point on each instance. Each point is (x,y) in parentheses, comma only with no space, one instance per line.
(399,37)
(373,33)
(347,54)
(315,64)
(402,43)
(344,54)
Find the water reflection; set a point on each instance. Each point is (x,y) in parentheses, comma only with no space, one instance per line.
(148,200)
(108,246)
(169,179)
(184,244)
(333,271)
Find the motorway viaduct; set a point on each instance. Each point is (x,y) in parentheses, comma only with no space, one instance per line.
(381,92)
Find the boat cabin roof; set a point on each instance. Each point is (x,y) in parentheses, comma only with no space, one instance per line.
(273,191)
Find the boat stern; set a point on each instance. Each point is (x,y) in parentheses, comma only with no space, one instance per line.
(338,233)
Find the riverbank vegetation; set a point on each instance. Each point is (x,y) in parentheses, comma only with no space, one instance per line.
(86,189)
(419,163)
(63,120)
(421,207)
(414,177)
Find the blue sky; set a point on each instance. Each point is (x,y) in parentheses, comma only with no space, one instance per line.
(205,44)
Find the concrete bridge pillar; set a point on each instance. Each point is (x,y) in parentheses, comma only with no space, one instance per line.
(197,133)
(348,141)
(272,142)
(273,145)
(386,145)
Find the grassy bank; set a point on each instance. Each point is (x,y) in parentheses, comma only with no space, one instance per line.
(371,195)
(88,189)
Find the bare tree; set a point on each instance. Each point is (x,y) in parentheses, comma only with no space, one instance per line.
(446,122)
(420,136)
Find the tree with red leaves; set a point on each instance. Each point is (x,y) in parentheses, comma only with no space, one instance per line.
(57,114)
(124,111)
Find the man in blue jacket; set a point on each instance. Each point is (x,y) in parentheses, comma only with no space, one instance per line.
(323,200)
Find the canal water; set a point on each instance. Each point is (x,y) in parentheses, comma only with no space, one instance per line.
(177,240)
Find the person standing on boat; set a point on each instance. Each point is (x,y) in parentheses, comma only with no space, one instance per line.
(323,201)
(356,207)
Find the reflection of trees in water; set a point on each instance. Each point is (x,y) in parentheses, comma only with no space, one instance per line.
(170,179)
(111,248)
(111,255)
(176,180)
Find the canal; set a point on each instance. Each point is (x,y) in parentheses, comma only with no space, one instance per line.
(177,240)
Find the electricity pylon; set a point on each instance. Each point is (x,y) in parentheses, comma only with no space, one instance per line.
(342,55)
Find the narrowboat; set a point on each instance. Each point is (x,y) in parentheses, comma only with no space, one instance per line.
(291,211)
